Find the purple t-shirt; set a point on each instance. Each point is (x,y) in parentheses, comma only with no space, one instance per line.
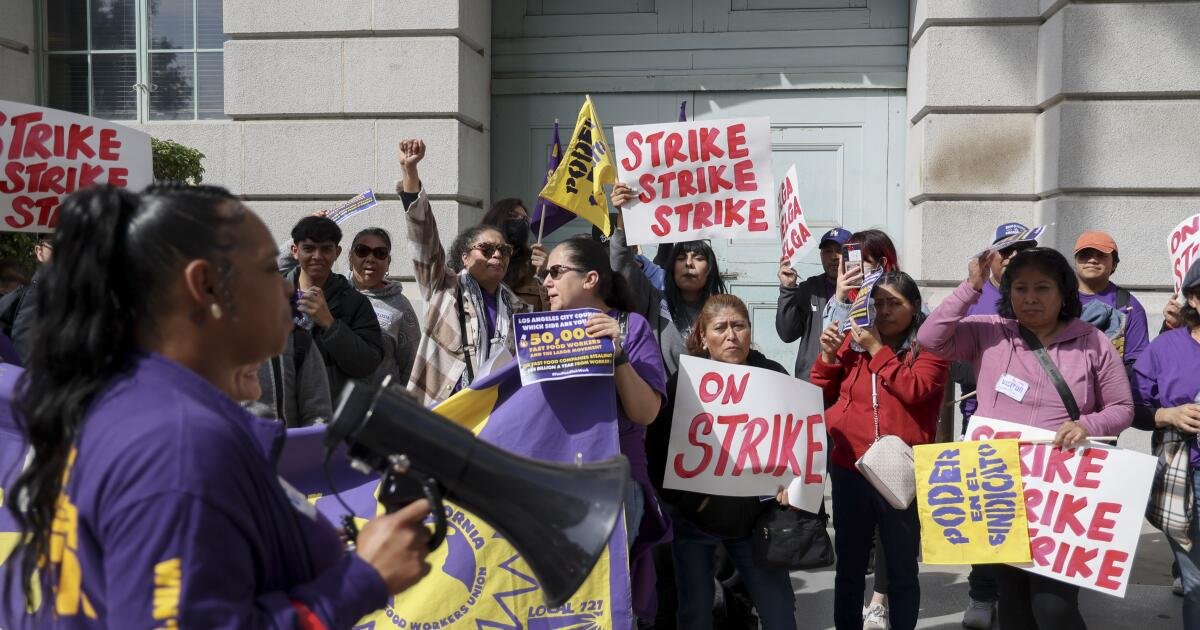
(646,359)
(490,306)
(988,299)
(1166,375)
(172,514)
(1137,334)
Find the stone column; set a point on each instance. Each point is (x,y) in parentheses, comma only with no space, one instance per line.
(18,52)
(319,94)
(1076,114)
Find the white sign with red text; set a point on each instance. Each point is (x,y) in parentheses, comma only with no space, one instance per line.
(1184,245)
(1085,505)
(745,431)
(696,180)
(48,154)
(797,239)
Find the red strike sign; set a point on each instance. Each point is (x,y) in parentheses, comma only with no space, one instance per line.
(48,154)
(793,227)
(706,179)
(744,431)
(1084,506)
(1184,244)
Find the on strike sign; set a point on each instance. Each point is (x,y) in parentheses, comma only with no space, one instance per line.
(1085,506)
(1184,244)
(744,431)
(793,227)
(48,154)
(703,179)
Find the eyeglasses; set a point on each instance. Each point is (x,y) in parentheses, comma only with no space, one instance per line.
(362,251)
(557,270)
(489,249)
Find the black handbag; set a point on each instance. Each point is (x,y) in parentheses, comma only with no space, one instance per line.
(792,539)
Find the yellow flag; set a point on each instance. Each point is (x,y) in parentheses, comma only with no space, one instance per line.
(971,503)
(577,185)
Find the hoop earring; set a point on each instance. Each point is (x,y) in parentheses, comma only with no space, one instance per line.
(215,309)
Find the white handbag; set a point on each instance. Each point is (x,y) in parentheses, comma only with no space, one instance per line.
(888,464)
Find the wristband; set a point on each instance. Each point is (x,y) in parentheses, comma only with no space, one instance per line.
(620,359)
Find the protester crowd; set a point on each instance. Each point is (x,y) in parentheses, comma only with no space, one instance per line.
(150,281)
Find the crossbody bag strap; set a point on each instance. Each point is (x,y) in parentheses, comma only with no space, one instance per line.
(1043,357)
(875,402)
(462,327)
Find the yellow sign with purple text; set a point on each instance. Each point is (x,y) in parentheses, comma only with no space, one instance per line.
(970,500)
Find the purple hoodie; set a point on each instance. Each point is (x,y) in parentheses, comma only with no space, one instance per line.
(1086,359)
(172,515)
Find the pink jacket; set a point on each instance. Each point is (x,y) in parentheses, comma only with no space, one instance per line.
(1083,355)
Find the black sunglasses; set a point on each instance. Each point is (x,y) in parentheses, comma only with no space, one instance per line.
(489,249)
(380,253)
(557,270)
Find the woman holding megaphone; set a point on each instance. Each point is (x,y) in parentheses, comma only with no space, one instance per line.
(704,522)
(151,498)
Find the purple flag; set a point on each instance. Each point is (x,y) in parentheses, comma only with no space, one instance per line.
(683,111)
(556,217)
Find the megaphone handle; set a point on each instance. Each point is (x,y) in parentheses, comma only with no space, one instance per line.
(433,492)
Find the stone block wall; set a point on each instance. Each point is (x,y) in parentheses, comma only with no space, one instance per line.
(1076,114)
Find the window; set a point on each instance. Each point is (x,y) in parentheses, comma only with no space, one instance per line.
(137,60)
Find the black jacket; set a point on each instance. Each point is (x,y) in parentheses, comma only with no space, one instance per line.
(352,346)
(727,517)
(26,316)
(798,316)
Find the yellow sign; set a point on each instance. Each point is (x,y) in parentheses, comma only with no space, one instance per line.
(971,503)
(577,184)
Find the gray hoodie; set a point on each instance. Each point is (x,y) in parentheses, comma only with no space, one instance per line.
(305,388)
(398,321)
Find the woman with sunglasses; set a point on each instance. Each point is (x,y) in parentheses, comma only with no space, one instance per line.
(468,312)
(511,217)
(370,256)
(578,276)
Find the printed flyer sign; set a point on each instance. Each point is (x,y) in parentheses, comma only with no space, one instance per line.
(48,154)
(862,309)
(352,207)
(971,503)
(1183,244)
(553,345)
(1031,234)
(1084,506)
(798,240)
(745,431)
(696,180)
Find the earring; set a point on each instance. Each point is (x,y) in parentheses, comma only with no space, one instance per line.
(215,309)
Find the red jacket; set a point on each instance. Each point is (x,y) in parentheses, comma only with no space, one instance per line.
(910,397)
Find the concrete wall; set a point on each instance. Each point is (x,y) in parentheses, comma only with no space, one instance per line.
(1077,114)
(318,94)
(18,51)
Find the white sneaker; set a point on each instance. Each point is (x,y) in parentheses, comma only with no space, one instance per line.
(1177,587)
(979,615)
(875,617)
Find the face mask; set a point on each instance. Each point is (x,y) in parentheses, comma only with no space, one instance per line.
(516,232)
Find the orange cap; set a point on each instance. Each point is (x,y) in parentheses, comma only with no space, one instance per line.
(1095,239)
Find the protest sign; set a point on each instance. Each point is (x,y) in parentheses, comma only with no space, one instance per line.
(969,498)
(1183,244)
(797,239)
(1084,506)
(553,345)
(744,431)
(577,183)
(695,180)
(356,204)
(48,154)
(862,309)
(1029,234)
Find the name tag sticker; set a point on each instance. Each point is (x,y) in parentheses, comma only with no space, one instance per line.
(1012,387)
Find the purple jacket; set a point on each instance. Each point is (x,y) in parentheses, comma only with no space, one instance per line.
(1086,359)
(172,515)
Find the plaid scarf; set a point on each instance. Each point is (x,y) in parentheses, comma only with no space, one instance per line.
(1171,503)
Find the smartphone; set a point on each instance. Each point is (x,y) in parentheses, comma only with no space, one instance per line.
(852,255)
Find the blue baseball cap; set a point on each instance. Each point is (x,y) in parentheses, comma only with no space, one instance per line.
(837,235)
(1008,229)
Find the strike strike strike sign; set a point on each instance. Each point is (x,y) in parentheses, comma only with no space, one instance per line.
(695,180)
(1084,506)
(48,154)
(553,345)
(744,431)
